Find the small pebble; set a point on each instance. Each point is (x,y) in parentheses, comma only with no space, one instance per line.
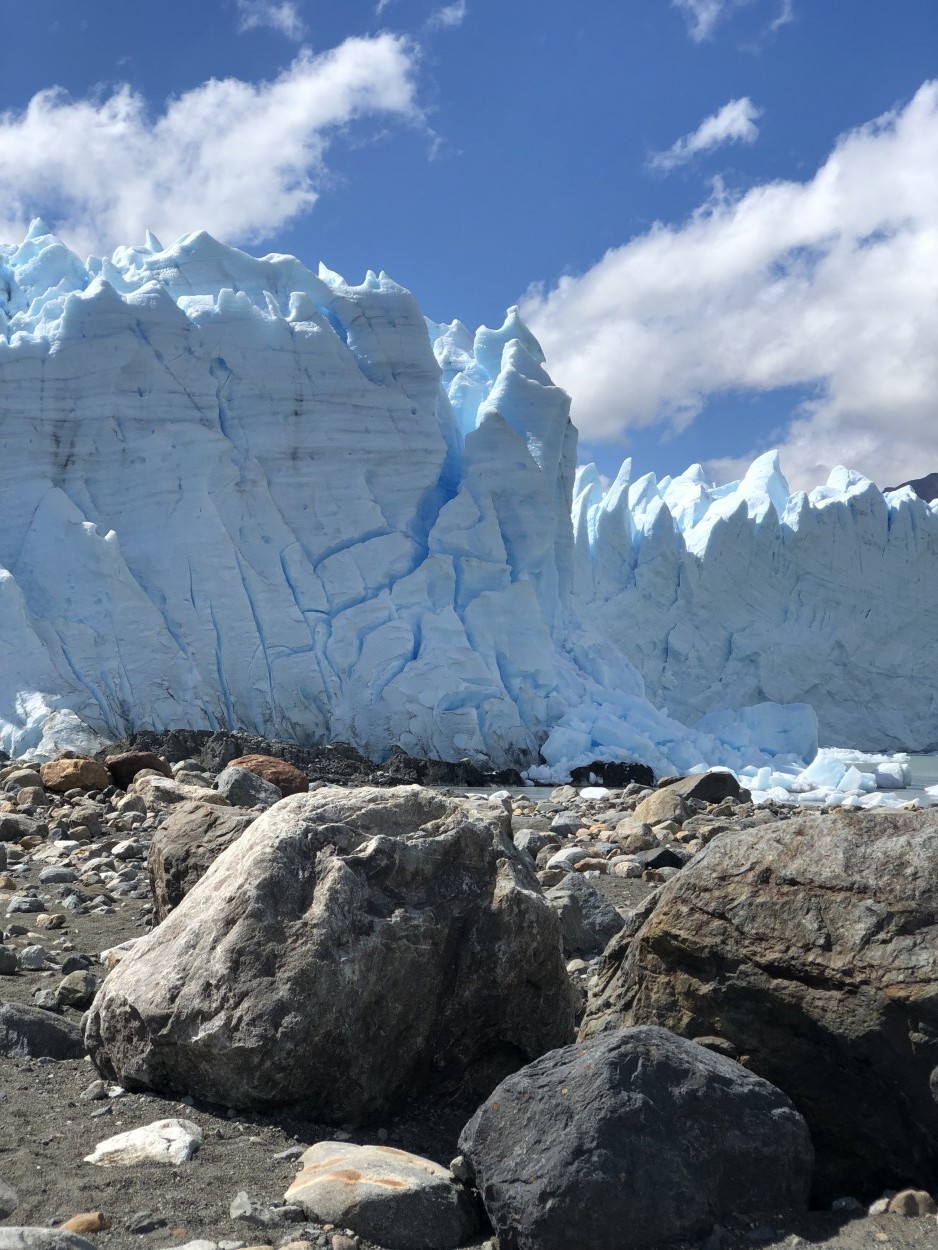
(94,1092)
(145,1222)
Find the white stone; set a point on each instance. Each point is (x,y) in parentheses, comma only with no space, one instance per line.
(567,857)
(163,1141)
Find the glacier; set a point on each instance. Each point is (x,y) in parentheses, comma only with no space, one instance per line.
(748,593)
(238,494)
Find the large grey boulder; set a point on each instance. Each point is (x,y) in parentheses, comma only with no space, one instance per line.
(587,921)
(31,1033)
(811,947)
(246,789)
(349,950)
(183,849)
(633,1140)
(13,827)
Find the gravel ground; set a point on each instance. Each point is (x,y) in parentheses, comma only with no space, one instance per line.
(47,1128)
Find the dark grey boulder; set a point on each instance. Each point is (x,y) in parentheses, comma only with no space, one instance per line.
(77,989)
(184,848)
(13,827)
(631,1140)
(587,921)
(531,841)
(351,949)
(711,787)
(663,857)
(811,946)
(31,1033)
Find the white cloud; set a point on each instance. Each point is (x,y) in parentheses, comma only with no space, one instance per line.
(827,285)
(238,159)
(786,14)
(280,15)
(449,16)
(703,16)
(733,123)
(381,6)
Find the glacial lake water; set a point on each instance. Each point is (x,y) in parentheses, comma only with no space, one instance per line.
(924,770)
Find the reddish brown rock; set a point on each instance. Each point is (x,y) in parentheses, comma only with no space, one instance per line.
(279,773)
(124,767)
(80,773)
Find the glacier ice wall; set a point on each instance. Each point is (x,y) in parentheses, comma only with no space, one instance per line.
(735,595)
(234,493)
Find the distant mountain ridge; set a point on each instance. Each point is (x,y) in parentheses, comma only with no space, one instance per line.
(925,487)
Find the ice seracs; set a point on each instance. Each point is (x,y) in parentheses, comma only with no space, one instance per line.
(238,493)
(735,595)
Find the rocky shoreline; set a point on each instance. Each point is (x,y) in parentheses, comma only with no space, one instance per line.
(635,940)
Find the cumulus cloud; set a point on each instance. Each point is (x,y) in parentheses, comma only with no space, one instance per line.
(826,285)
(703,16)
(449,16)
(279,15)
(239,159)
(733,123)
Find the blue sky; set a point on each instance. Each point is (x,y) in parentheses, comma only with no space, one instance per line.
(720,216)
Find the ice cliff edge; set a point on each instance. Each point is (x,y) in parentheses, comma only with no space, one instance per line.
(236,493)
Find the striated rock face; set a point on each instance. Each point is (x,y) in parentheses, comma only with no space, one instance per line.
(350,949)
(633,1140)
(811,946)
